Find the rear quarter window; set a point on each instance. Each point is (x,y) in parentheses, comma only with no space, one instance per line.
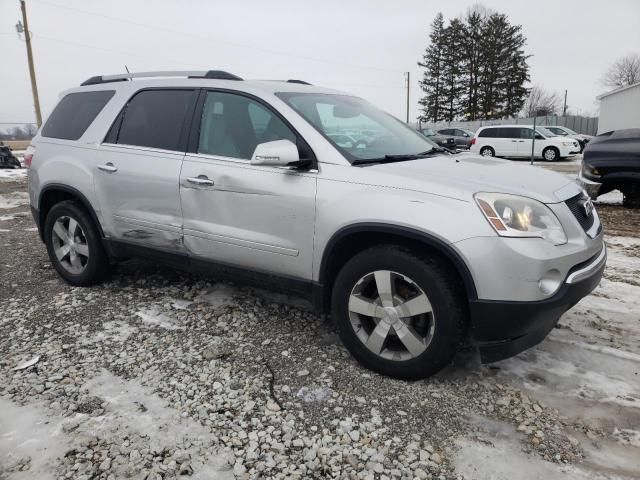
(74,113)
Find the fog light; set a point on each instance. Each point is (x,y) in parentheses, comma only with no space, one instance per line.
(550,281)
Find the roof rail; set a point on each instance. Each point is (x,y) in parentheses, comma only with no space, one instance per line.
(123,77)
(301,82)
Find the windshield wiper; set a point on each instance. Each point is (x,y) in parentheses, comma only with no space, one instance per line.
(400,158)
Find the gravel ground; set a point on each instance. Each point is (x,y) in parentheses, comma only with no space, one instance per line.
(158,374)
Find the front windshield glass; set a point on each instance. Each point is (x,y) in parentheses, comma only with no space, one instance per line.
(545,132)
(355,127)
(569,131)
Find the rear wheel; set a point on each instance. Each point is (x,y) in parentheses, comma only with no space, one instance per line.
(74,245)
(398,313)
(487,152)
(550,154)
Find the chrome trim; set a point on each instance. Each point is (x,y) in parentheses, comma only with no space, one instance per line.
(588,270)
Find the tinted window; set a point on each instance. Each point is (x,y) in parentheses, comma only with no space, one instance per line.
(74,113)
(233,125)
(445,132)
(155,118)
(488,132)
(526,133)
(508,133)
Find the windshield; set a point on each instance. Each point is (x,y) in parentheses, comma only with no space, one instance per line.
(356,128)
(569,131)
(545,132)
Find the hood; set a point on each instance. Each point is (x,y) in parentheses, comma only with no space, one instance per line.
(460,176)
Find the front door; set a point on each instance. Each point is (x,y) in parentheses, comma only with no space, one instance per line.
(137,169)
(244,215)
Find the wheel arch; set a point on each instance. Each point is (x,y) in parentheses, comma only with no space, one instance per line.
(56,193)
(355,238)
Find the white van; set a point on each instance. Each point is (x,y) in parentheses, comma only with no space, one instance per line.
(515,141)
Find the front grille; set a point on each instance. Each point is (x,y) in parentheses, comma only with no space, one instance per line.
(575,204)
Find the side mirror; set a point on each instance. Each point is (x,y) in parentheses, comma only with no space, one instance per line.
(465,135)
(279,153)
(539,137)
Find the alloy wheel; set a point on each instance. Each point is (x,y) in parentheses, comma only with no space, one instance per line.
(70,245)
(391,315)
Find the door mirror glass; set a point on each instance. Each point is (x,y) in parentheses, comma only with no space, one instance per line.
(539,137)
(279,153)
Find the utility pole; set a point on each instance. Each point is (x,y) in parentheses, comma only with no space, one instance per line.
(32,70)
(408,86)
(564,109)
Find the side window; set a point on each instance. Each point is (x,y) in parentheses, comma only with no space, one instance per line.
(155,119)
(74,113)
(488,133)
(508,133)
(526,133)
(233,125)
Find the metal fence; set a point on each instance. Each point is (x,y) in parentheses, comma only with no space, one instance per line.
(579,124)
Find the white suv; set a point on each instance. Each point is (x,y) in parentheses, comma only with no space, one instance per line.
(412,250)
(516,140)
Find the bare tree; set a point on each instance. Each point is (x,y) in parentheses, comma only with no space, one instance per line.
(624,71)
(541,102)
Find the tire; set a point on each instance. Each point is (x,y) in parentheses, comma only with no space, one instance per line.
(487,152)
(79,270)
(631,199)
(551,154)
(440,331)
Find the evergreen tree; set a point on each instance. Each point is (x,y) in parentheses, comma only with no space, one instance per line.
(432,79)
(452,87)
(475,68)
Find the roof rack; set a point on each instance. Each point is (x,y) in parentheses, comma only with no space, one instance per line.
(123,77)
(301,82)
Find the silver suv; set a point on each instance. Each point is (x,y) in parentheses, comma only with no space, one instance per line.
(412,250)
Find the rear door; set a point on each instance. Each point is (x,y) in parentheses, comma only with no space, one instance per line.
(252,216)
(138,168)
(507,142)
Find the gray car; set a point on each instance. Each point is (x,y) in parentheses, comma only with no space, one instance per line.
(410,249)
(461,136)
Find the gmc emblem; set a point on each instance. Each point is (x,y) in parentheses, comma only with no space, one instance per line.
(587,206)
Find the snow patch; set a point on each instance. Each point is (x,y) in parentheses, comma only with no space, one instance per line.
(610,198)
(133,407)
(217,296)
(156,318)
(12,174)
(14,199)
(28,432)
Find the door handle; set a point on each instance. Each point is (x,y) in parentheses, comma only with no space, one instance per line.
(514,141)
(201,180)
(108,167)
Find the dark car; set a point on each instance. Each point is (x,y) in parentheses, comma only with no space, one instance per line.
(7,159)
(461,136)
(441,140)
(611,161)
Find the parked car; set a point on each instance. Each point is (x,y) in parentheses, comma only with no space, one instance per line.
(409,251)
(567,132)
(611,161)
(7,158)
(461,136)
(441,140)
(515,141)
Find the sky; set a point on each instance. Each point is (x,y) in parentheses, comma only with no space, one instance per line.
(359,46)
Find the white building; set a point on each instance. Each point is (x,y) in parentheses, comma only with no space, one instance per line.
(620,109)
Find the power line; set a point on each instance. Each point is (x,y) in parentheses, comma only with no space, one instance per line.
(217,40)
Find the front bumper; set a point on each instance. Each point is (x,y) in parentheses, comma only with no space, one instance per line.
(592,188)
(502,329)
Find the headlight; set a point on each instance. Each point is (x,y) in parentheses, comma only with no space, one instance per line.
(568,144)
(515,216)
(590,171)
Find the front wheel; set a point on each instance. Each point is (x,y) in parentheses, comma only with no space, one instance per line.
(399,313)
(550,154)
(74,245)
